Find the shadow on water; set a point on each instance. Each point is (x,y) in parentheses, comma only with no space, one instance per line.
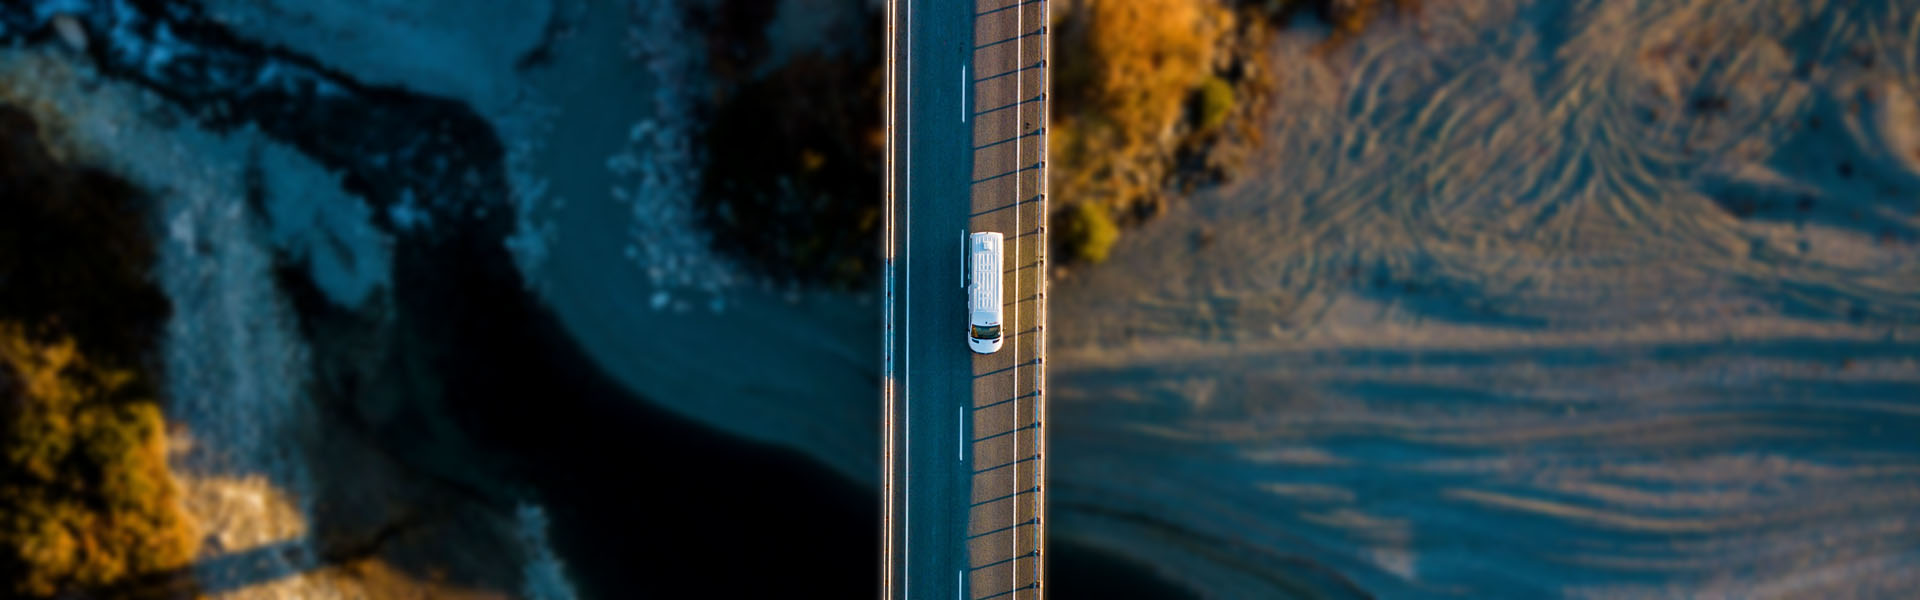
(1080,572)
(644,501)
(641,501)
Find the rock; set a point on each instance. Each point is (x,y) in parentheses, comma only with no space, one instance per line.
(71,32)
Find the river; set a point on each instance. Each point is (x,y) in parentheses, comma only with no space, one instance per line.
(1528,299)
(1521,299)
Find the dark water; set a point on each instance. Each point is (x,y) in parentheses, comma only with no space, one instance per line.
(644,502)
(641,502)
(1079,572)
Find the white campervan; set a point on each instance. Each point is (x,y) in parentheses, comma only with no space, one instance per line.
(983,291)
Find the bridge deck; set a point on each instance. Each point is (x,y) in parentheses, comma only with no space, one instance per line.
(1004,540)
(966,124)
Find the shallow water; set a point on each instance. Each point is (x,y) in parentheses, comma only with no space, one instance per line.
(1526,299)
(623,265)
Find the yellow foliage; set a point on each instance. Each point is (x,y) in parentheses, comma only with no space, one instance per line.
(1216,101)
(86,499)
(1126,71)
(1149,54)
(1089,232)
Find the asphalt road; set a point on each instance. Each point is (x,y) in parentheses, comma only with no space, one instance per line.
(1004,415)
(964,439)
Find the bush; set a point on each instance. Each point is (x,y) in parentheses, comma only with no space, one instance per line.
(794,157)
(1125,71)
(1149,54)
(1088,232)
(86,500)
(1215,102)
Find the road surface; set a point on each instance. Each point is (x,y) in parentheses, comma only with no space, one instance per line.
(966,127)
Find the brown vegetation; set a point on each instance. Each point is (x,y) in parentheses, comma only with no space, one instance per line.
(1349,17)
(1160,95)
(87,500)
(1149,93)
(1123,70)
(85,497)
(1147,96)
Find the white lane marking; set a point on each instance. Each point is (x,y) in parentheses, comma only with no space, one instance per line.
(960,584)
(963,93)
(962,454)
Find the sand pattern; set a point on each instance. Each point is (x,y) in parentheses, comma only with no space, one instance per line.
(1587,298)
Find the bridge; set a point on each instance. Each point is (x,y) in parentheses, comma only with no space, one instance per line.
(966,149)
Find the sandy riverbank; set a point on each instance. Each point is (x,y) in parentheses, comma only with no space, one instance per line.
(1530,298)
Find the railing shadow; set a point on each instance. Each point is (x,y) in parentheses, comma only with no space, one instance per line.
(1034,457)
(1021,268)
(1042,97)
(1037,32)
(1002,142)
(999,370)
(1033,167)
(1034,425)
(1039,64)
(1032,394)
(1032,521)
(1034,199)
(1017,364)
(1027,554)
(1015,494)
(1008,7)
